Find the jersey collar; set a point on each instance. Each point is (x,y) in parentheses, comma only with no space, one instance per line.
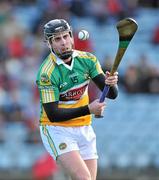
(60,61)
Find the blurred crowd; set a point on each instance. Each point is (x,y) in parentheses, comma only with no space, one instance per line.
(22,50)
(140,77)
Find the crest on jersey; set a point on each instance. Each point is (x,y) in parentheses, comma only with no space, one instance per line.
(44,78)
(62,146)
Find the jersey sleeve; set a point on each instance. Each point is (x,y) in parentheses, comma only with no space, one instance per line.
(48,89)
(94,66)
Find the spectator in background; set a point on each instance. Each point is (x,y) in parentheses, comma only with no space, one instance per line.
(153,81)
(130,80)
(44,168)
(148,74)
(98,11)
(115,9)
(155,36)
(78,8)
(16,47)
(142,77)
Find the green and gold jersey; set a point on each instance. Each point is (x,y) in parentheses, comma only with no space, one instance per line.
(67,84)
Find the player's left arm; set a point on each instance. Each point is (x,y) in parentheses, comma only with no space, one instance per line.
(99,80)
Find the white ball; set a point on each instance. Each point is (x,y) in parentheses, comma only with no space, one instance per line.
(83,35)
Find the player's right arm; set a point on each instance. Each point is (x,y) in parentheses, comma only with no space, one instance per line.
(99,80)
(56,114)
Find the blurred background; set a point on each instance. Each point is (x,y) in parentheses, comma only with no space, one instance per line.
(127,136)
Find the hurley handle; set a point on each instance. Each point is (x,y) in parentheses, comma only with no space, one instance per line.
(102,98)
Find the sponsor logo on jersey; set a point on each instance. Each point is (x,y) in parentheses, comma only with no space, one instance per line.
(63,85)
(74,94)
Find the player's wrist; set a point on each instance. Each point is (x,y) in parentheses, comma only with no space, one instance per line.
(88,109)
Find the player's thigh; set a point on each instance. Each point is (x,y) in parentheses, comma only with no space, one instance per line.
(74,165)
(92,166)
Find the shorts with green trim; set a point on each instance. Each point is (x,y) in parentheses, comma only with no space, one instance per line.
(59,140)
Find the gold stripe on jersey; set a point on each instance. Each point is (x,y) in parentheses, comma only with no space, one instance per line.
(47,95)
(48,67)
(43,95)
(83,120)
(99,69)
(86,55)
(53,58)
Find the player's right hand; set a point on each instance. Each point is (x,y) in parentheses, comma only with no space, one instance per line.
(96,107)
(111,80)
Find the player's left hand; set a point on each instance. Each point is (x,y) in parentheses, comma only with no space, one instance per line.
(111,80)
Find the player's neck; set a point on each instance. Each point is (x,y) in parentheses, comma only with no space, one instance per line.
(68,61)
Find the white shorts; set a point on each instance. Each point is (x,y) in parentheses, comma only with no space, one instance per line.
(59,140)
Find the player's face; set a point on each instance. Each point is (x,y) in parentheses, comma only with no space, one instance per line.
(62,43)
